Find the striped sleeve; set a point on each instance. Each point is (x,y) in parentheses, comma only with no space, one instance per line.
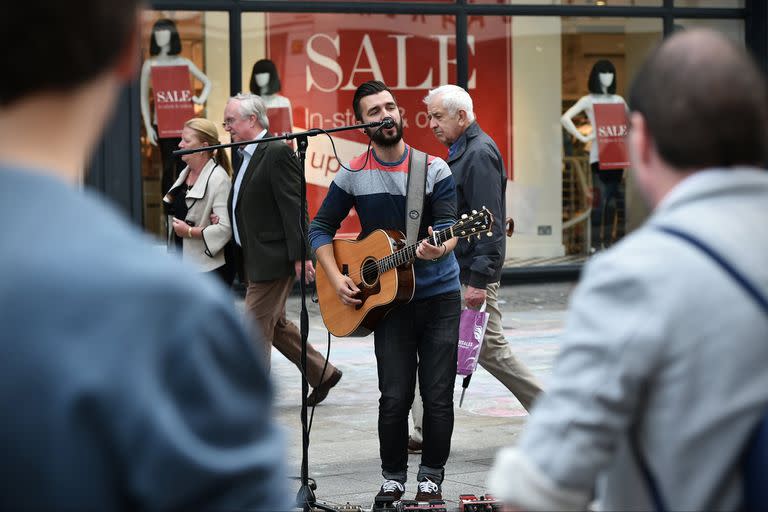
(332,212)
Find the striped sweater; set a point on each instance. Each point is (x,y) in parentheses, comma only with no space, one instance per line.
(378,192)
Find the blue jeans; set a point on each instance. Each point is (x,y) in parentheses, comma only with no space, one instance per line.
(428,328)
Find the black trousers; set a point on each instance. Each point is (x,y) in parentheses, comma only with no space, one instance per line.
(428,329)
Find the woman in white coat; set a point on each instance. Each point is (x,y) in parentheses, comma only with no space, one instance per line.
(202,189)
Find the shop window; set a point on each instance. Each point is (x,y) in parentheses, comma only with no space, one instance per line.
(564,208)
(320,59)
(612,3)
(185,73)
(709,3)
(734,29)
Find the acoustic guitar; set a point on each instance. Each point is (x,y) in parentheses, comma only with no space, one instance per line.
(381,266)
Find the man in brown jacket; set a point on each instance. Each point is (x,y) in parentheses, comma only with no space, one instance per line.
(265,207)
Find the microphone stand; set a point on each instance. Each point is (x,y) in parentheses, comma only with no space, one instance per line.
(305,497)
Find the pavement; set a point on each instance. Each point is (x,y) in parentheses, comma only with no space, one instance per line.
(343,456)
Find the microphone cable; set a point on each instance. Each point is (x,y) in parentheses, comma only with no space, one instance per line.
(384,124)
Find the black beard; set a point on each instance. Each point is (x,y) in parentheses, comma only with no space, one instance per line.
(378,136)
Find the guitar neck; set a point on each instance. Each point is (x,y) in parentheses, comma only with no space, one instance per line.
(408,253)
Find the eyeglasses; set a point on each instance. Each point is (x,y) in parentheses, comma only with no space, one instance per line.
(229,122)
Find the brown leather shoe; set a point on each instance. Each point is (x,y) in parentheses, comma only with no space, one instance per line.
(321,391)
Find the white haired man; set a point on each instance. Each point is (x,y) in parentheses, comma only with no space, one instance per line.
(481,180)
(265,206)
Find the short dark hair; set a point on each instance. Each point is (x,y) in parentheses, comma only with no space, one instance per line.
(61,45)
(366,89)
(601,66)
(705,102)
(265,66)
(165,24)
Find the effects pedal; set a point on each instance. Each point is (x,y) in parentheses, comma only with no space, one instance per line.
(348,507)
(472,503)
(420,506)
(384,504)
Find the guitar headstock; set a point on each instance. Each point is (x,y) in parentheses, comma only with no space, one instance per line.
(475,223)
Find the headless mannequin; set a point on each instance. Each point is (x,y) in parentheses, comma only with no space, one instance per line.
(608,180)
(172,166)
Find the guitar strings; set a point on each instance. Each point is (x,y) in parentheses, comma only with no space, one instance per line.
(395,259)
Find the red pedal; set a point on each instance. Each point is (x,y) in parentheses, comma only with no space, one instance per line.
(418,506)
(473,503)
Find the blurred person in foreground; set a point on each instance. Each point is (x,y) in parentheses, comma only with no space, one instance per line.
(663,358)
(106,404)
(199,196)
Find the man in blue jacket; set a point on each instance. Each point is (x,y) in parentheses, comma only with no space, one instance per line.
(481,180)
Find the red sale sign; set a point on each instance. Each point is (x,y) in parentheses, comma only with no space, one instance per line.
(173,99)
(323,58)
(611,128)
(279,120)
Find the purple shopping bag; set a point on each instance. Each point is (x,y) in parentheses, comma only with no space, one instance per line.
(471,332)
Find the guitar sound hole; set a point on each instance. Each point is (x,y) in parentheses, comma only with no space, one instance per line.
(370,272)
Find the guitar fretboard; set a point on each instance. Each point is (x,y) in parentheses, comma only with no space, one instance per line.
(408,253)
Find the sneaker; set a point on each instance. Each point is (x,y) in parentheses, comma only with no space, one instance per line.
(391,490)
(414,446)
(428,491)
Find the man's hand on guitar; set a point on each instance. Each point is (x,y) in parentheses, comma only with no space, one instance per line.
(346,290)
(427,251)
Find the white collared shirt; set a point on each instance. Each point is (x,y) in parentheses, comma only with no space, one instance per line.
(247,153)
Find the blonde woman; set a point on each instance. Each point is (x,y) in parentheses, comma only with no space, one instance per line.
(202,189)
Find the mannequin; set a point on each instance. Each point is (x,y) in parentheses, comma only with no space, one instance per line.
(165,47)
(266,83)
(602,89)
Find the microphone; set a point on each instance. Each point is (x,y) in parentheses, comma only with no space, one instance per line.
(388,122)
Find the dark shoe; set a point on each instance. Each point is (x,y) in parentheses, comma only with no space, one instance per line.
(390,491)
(321,391)
(414,446)
(428,491)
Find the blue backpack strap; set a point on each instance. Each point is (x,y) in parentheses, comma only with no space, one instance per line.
(748,287)
(653,488)
(755,459)
(755,469)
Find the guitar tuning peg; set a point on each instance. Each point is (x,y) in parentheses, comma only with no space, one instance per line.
(463,215)
(474,212)
(489,234)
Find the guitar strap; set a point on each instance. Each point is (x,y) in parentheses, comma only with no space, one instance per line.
(416,189)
